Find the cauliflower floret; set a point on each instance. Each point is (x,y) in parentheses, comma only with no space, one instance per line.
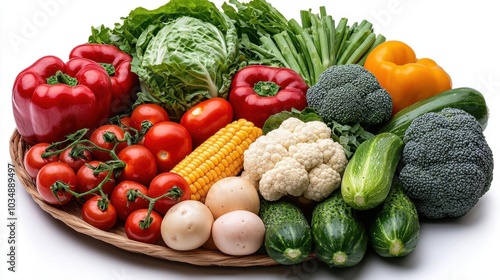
(288,177)
(333,154)
(307,154)
(261,156)
(323,180)
(304,134)
(317,128)
(283,136)
(290,124)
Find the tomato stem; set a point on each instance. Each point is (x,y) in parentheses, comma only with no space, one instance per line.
(102,167)
(59,186)
(174,193)
(55,149)
(103,203)
(77,138)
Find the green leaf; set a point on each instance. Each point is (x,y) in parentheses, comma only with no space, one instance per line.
(350,137)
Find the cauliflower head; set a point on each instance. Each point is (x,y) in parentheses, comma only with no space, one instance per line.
(298,159)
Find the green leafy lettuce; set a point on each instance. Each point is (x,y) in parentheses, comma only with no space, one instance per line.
(183,52)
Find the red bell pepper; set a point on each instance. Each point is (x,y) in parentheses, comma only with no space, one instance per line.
(125,83)
(259,91)
(52,99)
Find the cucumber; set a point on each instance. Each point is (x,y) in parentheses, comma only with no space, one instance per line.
(467,99)
(396,228)
(340,238)
(288,237)
(368,175)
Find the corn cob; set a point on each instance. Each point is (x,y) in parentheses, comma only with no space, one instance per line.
(218,157)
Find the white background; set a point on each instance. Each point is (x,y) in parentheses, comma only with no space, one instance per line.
(460,35)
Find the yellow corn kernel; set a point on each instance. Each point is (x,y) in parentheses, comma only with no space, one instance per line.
(219,156)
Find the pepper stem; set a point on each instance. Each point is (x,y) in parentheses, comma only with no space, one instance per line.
(109,68)
(62,78)
(266,88)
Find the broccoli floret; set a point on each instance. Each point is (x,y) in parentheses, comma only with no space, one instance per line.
(447,163)
(350,94)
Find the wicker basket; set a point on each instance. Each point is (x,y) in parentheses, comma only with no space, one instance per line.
(70,214)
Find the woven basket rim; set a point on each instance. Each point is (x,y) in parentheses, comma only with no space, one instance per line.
(69,214)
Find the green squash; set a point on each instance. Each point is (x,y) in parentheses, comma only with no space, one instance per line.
(340,238)
(396,228)
(288,238)
(368,175)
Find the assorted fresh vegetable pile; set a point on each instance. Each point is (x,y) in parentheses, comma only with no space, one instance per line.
(238,130)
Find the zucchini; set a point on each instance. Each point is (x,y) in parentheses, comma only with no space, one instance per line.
(288,237)
(340,238)
(467,99)
(368,175)
(396,228)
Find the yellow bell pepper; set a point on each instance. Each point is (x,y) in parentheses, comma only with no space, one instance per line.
(406,78)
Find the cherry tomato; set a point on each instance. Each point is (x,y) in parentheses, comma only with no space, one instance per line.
(206,118)
(97,137)
(33,160)
(138,229)
(120,198)
(51,173)
(169,142)
(125,121)
(98,212)
(150,112)
(140,164)
(86,180)
(163,183)
(75,162)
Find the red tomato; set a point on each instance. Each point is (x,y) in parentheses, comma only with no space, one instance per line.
(86,180)
(150,112)
(33,160)
(206,118)
(75,162)
(163,183)
(120,198)
(125,120)
(138,229)
(93,213)
(140,164)
(125,124)
(48,175)
(169,142)
(97,138)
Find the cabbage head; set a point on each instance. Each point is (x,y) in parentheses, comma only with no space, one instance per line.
(183,52)
(188,60)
